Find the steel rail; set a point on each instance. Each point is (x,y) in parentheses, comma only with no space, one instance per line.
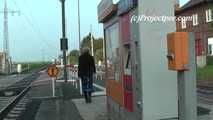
(4,112)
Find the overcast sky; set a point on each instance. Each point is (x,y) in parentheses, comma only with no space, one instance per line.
(35,32)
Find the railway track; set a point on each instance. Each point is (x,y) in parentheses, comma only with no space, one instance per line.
(205,89)
(19,86)
(205,93)
(14,106)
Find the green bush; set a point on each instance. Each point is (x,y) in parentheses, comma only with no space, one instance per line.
(210,60)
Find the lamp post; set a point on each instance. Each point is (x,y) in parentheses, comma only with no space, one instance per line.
(92,41)
(79,42)
(79,26)
(64,40)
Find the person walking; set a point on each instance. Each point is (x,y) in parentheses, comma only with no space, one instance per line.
(86,70)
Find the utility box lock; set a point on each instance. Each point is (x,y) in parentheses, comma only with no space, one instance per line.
(178,51)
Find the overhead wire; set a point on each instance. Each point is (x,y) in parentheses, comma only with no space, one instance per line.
(40,35)
(34,28)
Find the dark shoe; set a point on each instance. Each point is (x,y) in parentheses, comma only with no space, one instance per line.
(89,99)
(86,98)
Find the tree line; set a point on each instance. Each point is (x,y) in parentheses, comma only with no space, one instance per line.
(86,42)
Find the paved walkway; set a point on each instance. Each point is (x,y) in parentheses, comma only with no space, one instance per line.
(68,105)
(58,110)
(54,109)
(94,111)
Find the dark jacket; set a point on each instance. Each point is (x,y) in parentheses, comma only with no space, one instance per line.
(86,65)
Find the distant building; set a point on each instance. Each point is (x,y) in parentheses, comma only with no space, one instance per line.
(5,63)
(202,25)
(2,62)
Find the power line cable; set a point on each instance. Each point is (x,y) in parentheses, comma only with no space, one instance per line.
(37,31)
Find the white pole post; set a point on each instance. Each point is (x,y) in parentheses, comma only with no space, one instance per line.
(80,84)
(76,84)
(53,86)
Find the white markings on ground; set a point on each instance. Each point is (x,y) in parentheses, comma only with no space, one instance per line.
(99,87)
(61,81)
(99,93)
(43,71)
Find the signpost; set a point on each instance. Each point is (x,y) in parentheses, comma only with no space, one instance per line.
(53,71)
(64,40)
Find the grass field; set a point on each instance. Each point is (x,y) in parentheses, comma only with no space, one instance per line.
(30,66)
(205,73)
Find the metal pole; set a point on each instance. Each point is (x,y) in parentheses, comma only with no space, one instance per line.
(79,26)
(64,36)
(92,41)
(6,48)
(80,87)
(79,40)
(187,86)
(53,86)
(103,50)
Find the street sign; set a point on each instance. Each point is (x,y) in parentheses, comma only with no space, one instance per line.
(64,43)
(52,71)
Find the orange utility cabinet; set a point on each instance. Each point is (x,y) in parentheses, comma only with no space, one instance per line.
(178,51)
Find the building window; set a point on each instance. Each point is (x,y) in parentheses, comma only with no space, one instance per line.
(210,46)
(183,23)
(208,15)
(195,19)
(210,49)
(127,61)
(112,51)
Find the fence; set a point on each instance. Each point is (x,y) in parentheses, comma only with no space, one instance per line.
(76,81)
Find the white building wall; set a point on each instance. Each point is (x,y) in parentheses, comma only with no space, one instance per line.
(159,85)
(201,61)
